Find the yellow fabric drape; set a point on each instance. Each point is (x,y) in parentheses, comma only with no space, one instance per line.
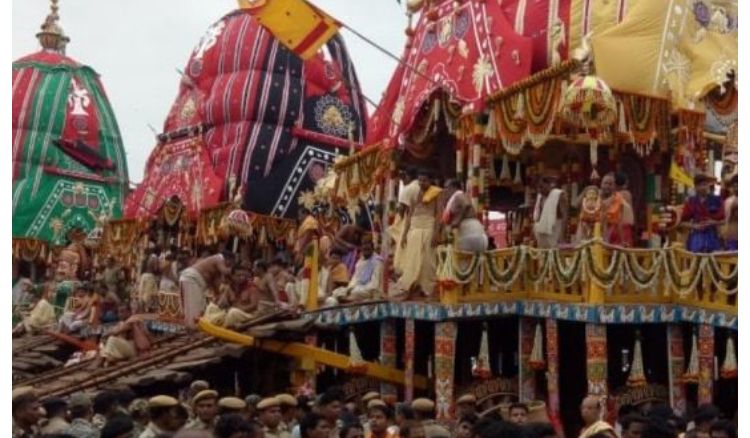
(665,48)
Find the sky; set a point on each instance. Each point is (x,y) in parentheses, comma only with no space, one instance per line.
(137,45)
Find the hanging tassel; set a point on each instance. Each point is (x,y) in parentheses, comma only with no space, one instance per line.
(505,175)
(536,360)
(490,131)
(356,362)
(519,114)
(691,374)
(517,180)
(622,126)
(637,376)
(729,367)
(593,156)
(480,368)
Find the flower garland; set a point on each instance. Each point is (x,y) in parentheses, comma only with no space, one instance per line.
(643,117)
(541,266)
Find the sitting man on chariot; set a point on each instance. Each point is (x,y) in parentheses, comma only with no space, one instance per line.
(333,275)
(79,312)
(126,340)
(41,317)
(245,301)
(367,281)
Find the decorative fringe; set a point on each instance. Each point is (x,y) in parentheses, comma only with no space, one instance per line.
(693,369)
(536,359)
(481,364)
(518,180)
(729,367)
(637,376)
(593,156)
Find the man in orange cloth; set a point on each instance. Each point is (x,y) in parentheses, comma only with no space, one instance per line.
(195,281)
(417,262)
(616,214)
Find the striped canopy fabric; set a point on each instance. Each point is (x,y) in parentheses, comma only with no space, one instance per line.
(252,97)
(69,165)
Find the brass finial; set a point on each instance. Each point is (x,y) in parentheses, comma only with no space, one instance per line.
(52,36)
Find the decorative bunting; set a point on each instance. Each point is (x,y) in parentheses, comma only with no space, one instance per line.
(553,371)
(527,378)
(705,363)
(677,395)
(596,359)
(388,354)
(409,359)
(445,352)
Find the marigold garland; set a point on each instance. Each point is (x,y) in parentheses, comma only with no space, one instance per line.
(566,268)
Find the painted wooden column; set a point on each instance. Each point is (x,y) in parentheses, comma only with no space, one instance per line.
(706,364)
(388,355)
(596,359)
(676,368)
(445,355)
(527,381)
(553,371)
(409,360)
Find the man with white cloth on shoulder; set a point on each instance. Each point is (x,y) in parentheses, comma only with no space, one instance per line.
(550,212)
(196,280)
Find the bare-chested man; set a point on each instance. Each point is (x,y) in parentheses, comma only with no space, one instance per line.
(195,281)
(244,300)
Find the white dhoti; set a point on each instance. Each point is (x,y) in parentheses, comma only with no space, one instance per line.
(471,236)
(236,317)
(418,264)
(42,317)
(193,292)
(117,348)
(548,228)
(214,314)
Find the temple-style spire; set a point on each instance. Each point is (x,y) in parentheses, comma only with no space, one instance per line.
(52,36)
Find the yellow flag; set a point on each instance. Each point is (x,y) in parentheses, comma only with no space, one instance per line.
(677,173)
(297,24)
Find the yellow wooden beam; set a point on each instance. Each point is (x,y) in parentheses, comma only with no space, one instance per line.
(319,355)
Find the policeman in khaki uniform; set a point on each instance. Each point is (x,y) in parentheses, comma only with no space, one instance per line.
(231,405)
(466,405)
(205,408)
(163,417)
(424,412)
(269,415)
(288,405)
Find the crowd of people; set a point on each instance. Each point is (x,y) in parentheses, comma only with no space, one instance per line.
(201,412)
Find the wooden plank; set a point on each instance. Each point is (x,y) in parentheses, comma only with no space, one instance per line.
(319,355)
